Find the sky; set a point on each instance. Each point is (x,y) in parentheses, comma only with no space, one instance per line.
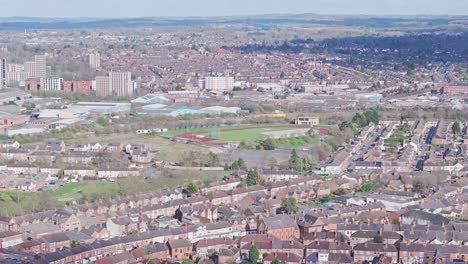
(157,8)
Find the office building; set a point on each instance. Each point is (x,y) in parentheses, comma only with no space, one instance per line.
(121,84)
(219,83)
(95,60)
(102,86)
(40,66)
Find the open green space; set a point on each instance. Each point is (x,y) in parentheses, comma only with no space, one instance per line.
(68,189)
(295,142)
(235,133)
(18,203)
(167,150)
(325,126)
(395,141)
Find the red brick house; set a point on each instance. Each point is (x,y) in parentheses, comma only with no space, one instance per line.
(281,226)
(54,242)
(180,249)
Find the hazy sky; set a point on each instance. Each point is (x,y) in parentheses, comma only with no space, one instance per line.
(137,8)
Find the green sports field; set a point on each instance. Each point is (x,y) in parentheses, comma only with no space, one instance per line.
(235,133)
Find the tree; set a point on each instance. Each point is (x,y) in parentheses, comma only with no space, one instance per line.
(253,254)
(340,191)
(272,162)
(74,244)
(378,239)
(293,159)
(301,164)
(213,159)
(360,120)
(367,187)
(192,188)
(308,163)
(289,205)
(239,165)
(456,128)
(102,121)
(277,261)
(253,178)
(267,144)
(395,221)
(61,174)
(372,116)
(345,124)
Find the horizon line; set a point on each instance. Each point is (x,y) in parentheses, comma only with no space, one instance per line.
(242,15)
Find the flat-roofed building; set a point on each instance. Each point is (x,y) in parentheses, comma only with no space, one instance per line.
(219,83)
(51,84)
(3,73)
(40,66)
(30,69)
(95,60)
(309,121)
(121,83)
(103,86)
(15,74)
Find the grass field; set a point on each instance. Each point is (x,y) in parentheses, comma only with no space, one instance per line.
(68,189)
(168,150)
(295,142)
(234,133)
(326,126)
(19,203)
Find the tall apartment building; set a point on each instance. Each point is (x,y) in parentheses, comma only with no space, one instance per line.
(219,83)
(40,66)
(102,86)
(95,60)
(30,69)
(121,83)
(3,71)
(15,74)
(51,84)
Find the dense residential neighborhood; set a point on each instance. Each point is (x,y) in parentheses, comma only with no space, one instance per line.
(251,139)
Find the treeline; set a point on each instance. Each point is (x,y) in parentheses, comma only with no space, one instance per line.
(361,120)
(401,52)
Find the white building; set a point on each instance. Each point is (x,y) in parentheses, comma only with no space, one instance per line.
(219,83)
(40,66)
(52,84)
(95,60)
(15,73)
(121,83)
(30,69)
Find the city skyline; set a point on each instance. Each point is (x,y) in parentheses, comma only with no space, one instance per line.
(183,8)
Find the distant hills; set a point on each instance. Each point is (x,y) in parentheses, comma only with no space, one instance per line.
(30,23)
